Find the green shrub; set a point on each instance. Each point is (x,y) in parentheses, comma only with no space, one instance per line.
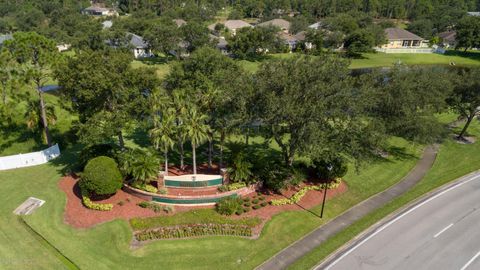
(247,204)
(143,204)
(163,191)
(97,150)
(236,186)
(223,188)
(255,201)
(246,209)
(121,203)
(168,209)
(228,206)
(144,187)
(247,199)
(94,206)
(239,211)
(256,206)
(101,176)
(263,204)
(141,166)
(241,169)
(194,230)
(261,198)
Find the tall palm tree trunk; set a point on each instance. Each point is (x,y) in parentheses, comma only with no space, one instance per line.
(121,142)
(166,163)
(44,118)
(182,165)
(194,155)
(210,153)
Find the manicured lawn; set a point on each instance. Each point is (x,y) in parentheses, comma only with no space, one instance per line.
(454,160)
(387,60)
(371,60)
(162,68)
(107,245)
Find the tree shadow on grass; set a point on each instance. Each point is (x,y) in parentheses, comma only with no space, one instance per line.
(67,161)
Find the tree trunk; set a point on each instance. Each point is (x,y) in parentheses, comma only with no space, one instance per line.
(210,153)
(44,118)
(182,165)
(166,163)
(246,139)
(121,142)
(222,141)
(194,159)
(464,130)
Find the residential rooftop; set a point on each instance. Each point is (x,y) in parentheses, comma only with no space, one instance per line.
(280,23)
(400,34)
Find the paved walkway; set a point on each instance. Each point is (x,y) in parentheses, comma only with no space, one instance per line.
(312,240)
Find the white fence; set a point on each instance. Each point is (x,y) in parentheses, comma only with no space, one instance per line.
(29,159)
(406,50)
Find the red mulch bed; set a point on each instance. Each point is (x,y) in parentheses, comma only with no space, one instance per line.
(188,169)
(77,215)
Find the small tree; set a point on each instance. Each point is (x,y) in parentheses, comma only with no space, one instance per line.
(197,131)
(241,169)
(465,98)
(138,165)
(101,176)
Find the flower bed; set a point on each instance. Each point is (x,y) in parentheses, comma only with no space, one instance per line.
(299,195)
(145,187)
(194,230)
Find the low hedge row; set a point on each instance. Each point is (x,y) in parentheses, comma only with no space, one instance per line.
(144,187)
(194,231)
(95,206)
(299,195)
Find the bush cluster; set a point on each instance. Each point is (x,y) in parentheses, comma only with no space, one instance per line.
(156,207)
(94,206)
(228,206)
(101,176)
(194,230)
(299,195)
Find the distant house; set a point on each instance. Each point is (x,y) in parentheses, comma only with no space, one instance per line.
(232,25)
(292,41)
(4,38)
(448,39)
(475,13)
(220,43)
(284,25)
(139,46)
(179,22)
(402,41)
(99,11)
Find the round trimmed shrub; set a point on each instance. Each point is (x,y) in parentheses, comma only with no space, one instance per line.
(101,176)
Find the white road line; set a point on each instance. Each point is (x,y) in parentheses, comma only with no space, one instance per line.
(396,219)
(470,262)
(440,232)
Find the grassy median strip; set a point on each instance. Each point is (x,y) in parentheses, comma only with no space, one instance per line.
(454,160)
(200,216)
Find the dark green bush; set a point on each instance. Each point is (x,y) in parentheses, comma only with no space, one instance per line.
(247,199)
(263,204)
(101,176)
(246,209)
(239,211)
(247,204)
(255,201)
(93,151)
(143,204)
(228,206)
(256,206)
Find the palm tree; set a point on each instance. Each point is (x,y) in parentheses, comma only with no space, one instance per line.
(163,134)
(180,104)
(197,131)
(144,168)
(34,117)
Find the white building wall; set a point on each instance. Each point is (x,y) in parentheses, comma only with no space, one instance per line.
(29,159)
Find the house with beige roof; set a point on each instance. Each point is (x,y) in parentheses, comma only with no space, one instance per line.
(232,25)
(282,24)
(402,41)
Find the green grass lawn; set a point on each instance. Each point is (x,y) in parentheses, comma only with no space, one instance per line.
(453,161)
(106,246)
(387,60)
(372,60)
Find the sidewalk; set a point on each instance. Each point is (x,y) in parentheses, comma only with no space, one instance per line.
(310,241)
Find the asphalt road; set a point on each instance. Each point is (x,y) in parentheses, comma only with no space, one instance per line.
(440,232)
